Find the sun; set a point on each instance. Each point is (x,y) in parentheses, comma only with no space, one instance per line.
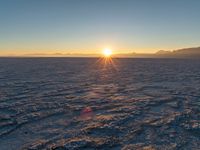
(107,52)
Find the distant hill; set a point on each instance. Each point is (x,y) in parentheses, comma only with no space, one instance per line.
(186,52)
(189,51)
(163,52)
(179,53)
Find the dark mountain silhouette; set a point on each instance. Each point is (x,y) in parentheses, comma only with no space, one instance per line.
(186,52)
(179,53)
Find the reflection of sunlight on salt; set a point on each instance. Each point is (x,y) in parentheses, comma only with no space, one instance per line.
(86,113)
(102,90)
(107,62)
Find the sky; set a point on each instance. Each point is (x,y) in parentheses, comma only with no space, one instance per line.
(88,26)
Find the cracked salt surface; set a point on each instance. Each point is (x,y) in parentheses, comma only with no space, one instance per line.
(65,103)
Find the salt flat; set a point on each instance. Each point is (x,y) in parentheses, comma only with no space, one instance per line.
(82,103)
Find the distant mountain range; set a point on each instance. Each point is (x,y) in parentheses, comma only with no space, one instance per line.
(180,53)
(186,52)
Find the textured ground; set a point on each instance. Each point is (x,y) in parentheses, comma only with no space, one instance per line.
(63,103)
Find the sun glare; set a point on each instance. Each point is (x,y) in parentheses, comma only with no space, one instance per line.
(107,52)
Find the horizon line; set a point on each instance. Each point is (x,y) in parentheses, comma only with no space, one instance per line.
(61,54)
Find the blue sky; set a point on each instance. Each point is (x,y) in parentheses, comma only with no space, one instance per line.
(87,26)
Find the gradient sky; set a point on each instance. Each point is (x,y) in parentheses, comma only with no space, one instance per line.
(88,26)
